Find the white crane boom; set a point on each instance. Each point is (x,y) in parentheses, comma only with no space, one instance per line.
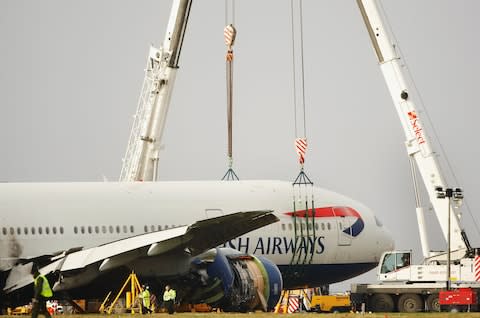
(418,145)
(141,159)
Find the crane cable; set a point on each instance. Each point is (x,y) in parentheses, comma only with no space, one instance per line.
(230,34)
(300,142)
(303,198)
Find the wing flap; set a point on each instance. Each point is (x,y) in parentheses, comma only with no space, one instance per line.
(217,231)
(92,255)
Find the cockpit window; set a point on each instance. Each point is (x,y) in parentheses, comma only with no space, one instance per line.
(377,221)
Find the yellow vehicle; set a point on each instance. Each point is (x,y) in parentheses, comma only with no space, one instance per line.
(330,303)
(22,310)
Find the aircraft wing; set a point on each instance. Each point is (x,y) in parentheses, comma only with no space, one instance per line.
(193,239)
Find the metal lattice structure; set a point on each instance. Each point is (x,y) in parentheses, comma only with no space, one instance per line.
(138,137)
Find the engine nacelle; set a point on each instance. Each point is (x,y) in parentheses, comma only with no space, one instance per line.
(239,282)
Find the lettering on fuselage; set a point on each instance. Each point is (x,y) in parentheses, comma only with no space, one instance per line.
(277,245)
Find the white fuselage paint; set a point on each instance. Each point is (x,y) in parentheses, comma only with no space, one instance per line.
(92,206)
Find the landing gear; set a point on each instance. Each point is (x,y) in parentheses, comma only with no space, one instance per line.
(325,290)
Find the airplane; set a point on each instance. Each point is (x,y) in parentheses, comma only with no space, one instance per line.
(233,244)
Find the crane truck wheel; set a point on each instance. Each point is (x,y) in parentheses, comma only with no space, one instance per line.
(432,303)
(381,303)
(410,303)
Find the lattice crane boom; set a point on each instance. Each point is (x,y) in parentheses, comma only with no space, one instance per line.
(141,159)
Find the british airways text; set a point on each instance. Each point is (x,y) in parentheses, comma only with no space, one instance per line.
(277,245)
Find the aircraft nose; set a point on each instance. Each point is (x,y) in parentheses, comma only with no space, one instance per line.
(385,241)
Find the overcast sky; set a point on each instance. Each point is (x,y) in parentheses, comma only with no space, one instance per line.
(71,73)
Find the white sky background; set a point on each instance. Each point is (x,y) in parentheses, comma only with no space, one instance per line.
(71,73)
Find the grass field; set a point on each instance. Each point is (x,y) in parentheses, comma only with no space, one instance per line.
(271,315)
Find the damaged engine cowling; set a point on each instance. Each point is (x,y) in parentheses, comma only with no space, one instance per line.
(235,281)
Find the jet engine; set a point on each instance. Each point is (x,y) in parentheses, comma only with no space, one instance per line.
(235,281)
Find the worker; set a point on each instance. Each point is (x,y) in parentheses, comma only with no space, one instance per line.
(153,302)
(42,292)
(406,259)
(169,298)
(145,295)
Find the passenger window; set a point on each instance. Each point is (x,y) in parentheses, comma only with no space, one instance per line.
(145,229)
(104,229)
(19,231)
(125,230)
(283,227)
(110,228)
(33,230)
(97,229)
(166,227)
(40,230)
(25,230)
(61,229)
(12,231)
(118,228)
(316,226)
(132,229)
(290,226)
(54,230)
(159,227)
(75,230)
(47,230)
(152,228)
(4,231)
(82,229)
(329,226)
(323,226)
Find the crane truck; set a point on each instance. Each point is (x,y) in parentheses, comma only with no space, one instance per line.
(404,286)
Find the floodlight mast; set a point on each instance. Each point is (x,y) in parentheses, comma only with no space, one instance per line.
(417,143)
(141,159)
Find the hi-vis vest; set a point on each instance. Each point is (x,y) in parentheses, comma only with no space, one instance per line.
(46,290)
(169,295)
(146,298)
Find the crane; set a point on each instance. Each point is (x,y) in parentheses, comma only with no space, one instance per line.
(418,145)
(141,158)
(405,286)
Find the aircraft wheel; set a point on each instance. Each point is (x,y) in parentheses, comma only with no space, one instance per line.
(381,303)
(432,303)
(410,303)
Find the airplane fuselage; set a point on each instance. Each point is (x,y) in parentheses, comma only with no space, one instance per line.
(340,239)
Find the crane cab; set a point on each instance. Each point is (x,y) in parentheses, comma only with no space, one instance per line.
(395,265)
